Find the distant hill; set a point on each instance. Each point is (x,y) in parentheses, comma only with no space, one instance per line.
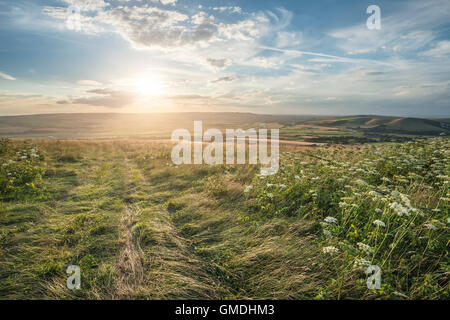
(383,124)
(161,125)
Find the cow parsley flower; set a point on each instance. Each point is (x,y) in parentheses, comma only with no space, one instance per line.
(330,220)
(364,247)
(361,262)
(379,223)
(330,250)
(248,188)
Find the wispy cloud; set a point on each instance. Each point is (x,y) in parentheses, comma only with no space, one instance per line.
(103,98)
(441,49)
(410,28)
(6,76)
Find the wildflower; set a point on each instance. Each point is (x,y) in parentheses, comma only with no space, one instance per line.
(364,247)
(379,223)
(297,177)
(269,185)
(430,226)
(378,210)
(268,171)
(330,250)
(343,204)
(330,220)
(270,195)
(248,188)
(283,186)
(361,262)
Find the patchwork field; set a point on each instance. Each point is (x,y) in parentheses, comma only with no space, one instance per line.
(141,227)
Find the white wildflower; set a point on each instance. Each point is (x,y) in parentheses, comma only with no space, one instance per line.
(330,220)
(364,247)
(330,250)
(361,262)
(379,223)
(248,188)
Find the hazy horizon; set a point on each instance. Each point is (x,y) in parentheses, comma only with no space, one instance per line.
(239,112)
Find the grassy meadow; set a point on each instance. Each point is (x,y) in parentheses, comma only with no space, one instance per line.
(141,227)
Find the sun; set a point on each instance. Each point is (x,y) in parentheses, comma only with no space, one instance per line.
(149,85)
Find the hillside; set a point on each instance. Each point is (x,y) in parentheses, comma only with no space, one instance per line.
(383,124)
(161,125)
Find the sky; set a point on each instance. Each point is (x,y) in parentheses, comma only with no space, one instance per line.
(266,56)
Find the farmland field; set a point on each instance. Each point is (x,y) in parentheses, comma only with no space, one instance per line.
(141,227)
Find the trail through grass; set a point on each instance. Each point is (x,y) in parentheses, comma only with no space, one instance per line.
(141,227)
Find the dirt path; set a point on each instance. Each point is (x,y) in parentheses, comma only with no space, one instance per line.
(130,279)
(130,267)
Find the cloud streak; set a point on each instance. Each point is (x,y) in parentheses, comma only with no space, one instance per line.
(6,76)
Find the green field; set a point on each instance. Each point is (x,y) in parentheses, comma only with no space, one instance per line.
(141,227)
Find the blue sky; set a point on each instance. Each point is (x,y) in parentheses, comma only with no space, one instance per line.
(289,57)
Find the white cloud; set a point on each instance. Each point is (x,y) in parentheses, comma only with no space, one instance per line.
(407,30)
(288,39)
(441,49)
(6,76)
(89,83)
(229,9)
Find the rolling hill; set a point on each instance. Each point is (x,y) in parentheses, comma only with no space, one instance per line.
(383,124)
(161,125)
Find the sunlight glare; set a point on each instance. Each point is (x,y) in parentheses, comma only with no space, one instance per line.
(149,85)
